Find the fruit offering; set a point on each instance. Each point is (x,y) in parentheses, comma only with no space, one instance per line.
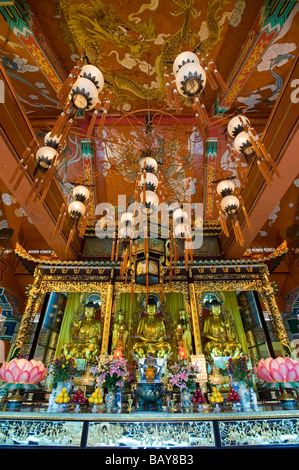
(78,397)
(198,397)
(233,395)
(216,396)
(96,397)
(62,397)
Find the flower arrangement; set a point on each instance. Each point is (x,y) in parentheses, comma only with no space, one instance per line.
(63,368)
(240,370)
(112,373)
(183,375)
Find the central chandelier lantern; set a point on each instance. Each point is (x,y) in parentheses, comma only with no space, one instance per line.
(82,91)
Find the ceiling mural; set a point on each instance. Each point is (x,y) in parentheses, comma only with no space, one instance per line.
(253,44)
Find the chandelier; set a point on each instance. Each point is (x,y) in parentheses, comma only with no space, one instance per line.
(84,90)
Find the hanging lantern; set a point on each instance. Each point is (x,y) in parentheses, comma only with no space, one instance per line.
(126,232)
(81,193)
(225,188)
(244,145)
(94,75)
(76,209)
(126,218)
(151,200)
(149,164)
(182,59)
(179,215)
(182,230)
(191,80)
(51,141)
(230,204)
(84,94)
(236,125)
(150,181)
(45,156)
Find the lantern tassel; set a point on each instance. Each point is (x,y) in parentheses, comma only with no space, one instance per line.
(168,87)
(238,232)
(218,77)
(93,119)
(176,97)
(70,238)
(62,209)
(104,115)
(116,251)
(113,247)
(265,172)
(210,78)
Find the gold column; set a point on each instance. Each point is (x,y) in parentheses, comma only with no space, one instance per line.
(108,312)
(270,300)
(194,315)
(30,310)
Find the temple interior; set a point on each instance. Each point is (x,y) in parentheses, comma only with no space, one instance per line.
(149,223)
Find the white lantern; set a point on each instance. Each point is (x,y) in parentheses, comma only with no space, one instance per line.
(126,218)
(52,141)
(191,79)
(76,209)
(230,204)
(235,125)
(150,180)
(225,187)
(94,74)
(180,215)
(243,145)
(186,57)
(151,200)
(182,230)
(81,193)
(84,94)
(45,156)
(126,232)
(148,164)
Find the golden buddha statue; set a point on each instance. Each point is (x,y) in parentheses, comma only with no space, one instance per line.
(183,333)
(152,334)
(85,336)
(217,331)
(120,332)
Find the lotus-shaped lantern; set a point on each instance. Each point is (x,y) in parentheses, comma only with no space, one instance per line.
(22,371)
(281,370)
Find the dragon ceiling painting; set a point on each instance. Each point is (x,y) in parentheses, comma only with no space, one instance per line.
(253,45)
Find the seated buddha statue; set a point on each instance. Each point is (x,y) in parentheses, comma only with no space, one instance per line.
(218,334)
(152,334)
(85,336)
(120,332)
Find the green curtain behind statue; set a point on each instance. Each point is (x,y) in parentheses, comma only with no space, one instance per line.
(74,301)
(172,303)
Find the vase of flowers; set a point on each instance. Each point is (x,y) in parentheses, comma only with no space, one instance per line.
(243,375)
(183,375)
(112,373)
(62,370)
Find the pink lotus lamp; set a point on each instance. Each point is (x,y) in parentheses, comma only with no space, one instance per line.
(282,370)
(21,374)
